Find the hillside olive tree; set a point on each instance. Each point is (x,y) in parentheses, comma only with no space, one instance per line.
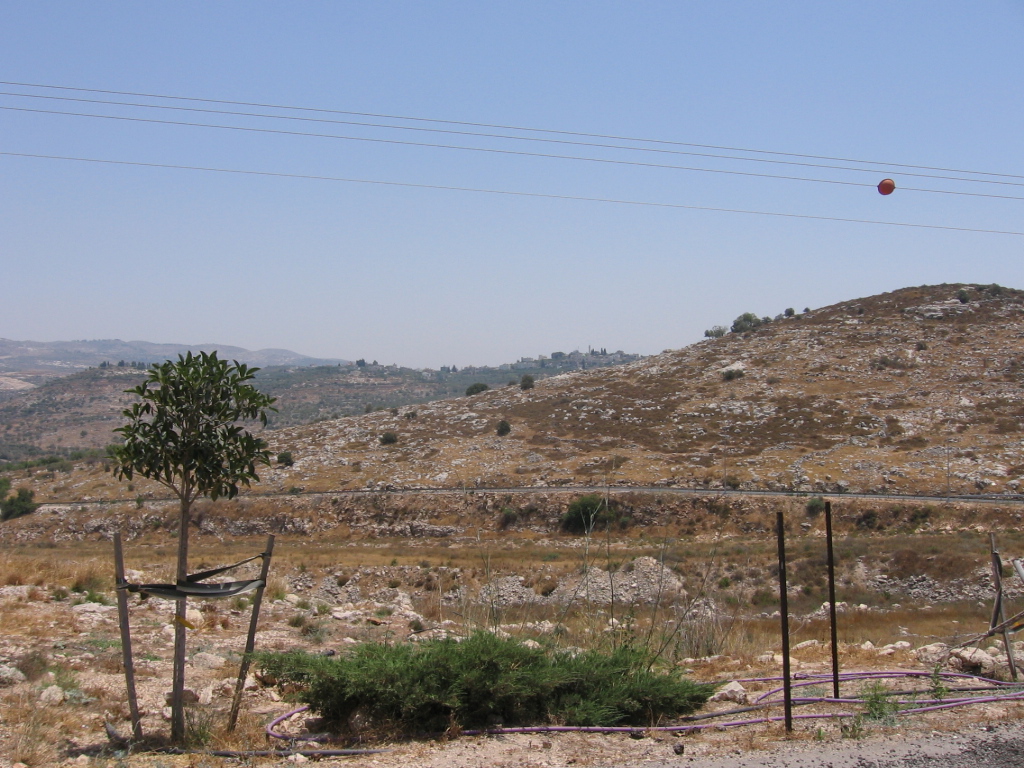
(184,433)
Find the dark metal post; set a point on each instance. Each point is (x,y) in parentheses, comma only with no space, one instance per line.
(832,599)
(250,641)
(784,611)
(998,610)
(126,638)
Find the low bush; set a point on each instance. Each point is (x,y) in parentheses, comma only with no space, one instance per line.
(591,512)
(388,438)
(503,428)
(438,685)
(476,389)
(815,506)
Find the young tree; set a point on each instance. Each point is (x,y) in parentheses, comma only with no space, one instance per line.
(526,382)
(184,434)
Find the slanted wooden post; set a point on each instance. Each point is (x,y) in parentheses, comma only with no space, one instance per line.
(998,610)
(250,641)
(126,637)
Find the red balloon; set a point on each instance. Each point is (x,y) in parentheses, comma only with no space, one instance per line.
(886,187)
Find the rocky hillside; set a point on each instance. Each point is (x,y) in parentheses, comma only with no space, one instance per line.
(908,391)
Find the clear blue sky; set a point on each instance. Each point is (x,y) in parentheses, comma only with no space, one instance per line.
(427,277)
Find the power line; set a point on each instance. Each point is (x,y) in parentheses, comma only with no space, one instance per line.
(478,134)
(513,193)
(493,150)
(510,128)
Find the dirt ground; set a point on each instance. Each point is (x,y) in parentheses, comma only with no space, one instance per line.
(66,647)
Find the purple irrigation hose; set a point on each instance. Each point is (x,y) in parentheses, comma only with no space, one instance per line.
(280,719)
(763,700)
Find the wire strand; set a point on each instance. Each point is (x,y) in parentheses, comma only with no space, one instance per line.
(479,134)
(493,150)
(508,127)
(513,193)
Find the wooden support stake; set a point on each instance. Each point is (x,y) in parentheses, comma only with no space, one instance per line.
(832,599)
(126,638)
(250,641)
(787,686)
(998,610)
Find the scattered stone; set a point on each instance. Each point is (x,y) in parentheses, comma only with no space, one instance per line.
(932,654)
(205,660)
(52,696)
(731,692)
(10,676)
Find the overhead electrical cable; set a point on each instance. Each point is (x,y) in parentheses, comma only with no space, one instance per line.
(508,137)
(557,132)
(492,150)
(513,193)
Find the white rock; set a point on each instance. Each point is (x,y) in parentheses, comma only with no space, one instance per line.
(52,696)
(974,659)
(867,645)
(806,644)
(531,644)
(10,676)
(94,608)
(932,654)
(731,692)
(204,660)
(206,695)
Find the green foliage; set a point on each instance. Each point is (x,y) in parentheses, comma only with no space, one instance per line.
(284,458)
(789,312)
(716,332)
(503,428)
(589,512)
(388,438)
(879,704)
(963,296)
(731,374)
(476,389)
(439,684)
(17,505)
(526,382)
(184,432)
(815,506)
(748,321)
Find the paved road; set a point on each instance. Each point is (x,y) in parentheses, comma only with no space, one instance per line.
(614,490)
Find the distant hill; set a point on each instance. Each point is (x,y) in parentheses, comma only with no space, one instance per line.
(56,413)
(50,358)
(918,390)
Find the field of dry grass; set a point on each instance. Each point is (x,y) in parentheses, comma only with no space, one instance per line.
(718,624)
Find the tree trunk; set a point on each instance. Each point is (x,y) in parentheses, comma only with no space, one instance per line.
(178,687)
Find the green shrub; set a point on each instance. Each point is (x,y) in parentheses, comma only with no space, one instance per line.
(815,506)
(476,389)
(284,458)
(715,332)
(963,296)
(503,428)
(388,438)
(589,512)
(748,321)
(439,684)
(731,374)
(17,505)
(526,382)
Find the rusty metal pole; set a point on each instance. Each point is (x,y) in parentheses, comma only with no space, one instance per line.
(787,686)
(998,610)
(126,638)
(250,641)
(832,599)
